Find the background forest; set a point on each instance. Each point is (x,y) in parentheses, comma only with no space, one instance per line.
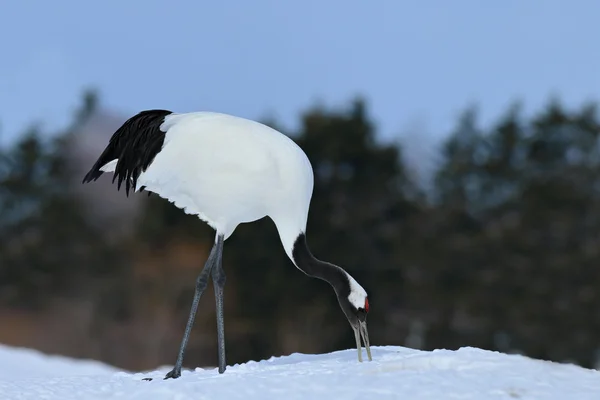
(499,250)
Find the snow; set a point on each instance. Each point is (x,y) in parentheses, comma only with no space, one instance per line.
(394,373)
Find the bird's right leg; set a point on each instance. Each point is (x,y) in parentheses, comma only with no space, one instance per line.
(218,276)
(201,283)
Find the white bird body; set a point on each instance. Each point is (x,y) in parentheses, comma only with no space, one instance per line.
(236,171)
(227,170)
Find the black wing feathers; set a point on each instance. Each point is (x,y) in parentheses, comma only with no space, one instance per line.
(134,144)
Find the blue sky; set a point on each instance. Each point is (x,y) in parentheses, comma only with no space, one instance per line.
(416,62)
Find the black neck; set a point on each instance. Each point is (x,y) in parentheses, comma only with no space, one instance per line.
(313,267)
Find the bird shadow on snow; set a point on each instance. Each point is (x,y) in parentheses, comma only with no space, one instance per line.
(385,359)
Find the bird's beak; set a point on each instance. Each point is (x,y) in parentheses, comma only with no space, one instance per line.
(360,331)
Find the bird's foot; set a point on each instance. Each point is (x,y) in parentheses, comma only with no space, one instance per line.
(174,373)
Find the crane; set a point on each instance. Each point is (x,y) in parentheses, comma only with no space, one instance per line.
(227,170)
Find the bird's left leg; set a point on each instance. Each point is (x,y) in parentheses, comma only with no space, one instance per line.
(218,277)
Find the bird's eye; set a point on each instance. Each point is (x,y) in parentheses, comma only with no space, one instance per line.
(361,314)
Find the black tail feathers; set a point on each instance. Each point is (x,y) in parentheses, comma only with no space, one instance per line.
(134,145)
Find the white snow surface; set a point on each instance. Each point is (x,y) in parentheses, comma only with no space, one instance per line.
(394,373)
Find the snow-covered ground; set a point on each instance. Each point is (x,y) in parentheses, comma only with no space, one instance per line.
(394,373)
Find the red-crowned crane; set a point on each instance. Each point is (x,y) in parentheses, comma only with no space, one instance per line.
(227,170)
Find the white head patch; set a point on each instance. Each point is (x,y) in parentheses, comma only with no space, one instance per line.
(357,294)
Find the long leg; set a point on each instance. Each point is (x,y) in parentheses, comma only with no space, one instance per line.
(218,277)
(201,283)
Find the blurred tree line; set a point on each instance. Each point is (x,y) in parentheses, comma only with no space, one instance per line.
(500,253)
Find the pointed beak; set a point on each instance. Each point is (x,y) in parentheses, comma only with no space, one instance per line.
(360,332)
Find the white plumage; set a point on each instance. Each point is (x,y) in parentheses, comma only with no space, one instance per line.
(227,170)
(230,170)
